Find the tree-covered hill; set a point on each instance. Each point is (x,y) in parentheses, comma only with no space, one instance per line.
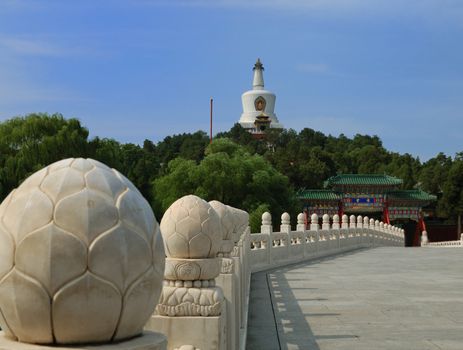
(247,173)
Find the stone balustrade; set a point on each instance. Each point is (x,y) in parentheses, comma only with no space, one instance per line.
(243,253)
(426,243)
(270,249)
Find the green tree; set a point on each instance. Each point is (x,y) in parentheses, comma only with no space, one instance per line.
(451,204)
(29,143)
(229,174)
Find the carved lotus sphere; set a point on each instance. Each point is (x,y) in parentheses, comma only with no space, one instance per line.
(191,229)
(226,218)
(81,256)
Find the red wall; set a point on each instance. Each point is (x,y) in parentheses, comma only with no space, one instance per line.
(441,232)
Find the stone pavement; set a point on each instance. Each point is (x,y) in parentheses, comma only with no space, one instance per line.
(382,298)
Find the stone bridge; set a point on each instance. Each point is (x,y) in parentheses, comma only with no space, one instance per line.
(82,262)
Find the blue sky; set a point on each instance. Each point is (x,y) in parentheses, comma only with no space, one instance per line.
(137,69)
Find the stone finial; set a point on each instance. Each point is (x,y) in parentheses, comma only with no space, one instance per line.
(325,222)
(372,223)
(336,225)
(266,218)
(228,224)
(377,224)
(266,223)
(285,223)
(381,226)
(192,235)
(345,221)
(359,221)
(243,222)
(352,221)
(226,219)
(285,219)
(314,222)
(81,256)
(300,222)
(240,222)
(366,220)
(424,237)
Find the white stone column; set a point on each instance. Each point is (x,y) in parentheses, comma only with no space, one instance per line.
(345,221)
(359,222)
(266,223)
(315,234)
(337,230)
(352,221)
(300,222)
(227,279)
(336,225)
(314,222)
(285,223)
(424,238)
(190,308)
(325,222)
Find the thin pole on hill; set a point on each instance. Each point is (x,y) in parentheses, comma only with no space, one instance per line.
(210,139)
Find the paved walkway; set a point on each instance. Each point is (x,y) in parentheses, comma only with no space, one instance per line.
(383,298)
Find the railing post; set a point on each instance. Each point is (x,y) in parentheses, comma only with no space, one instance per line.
(190,308)
(285,223)
(314,227)
(227,279)
(365,230)
(337,229)
(300,223)
(371,229)
(424,238)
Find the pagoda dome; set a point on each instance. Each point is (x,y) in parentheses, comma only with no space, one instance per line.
(258,102)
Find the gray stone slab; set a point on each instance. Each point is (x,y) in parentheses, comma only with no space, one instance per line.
(383,298)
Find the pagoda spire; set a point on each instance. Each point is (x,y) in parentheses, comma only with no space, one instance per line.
(258,81)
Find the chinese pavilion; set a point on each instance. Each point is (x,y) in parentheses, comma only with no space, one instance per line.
(376,196)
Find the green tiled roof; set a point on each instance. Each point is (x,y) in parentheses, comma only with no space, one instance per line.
(325,195)
(363,180)
(411,195)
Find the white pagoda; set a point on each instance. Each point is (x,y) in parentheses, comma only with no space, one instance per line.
(258,105)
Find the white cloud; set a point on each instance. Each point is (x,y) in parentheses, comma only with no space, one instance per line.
(34,47)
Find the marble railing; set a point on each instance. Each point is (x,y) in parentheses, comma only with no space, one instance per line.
(426,243)
(273,249)
(243,253)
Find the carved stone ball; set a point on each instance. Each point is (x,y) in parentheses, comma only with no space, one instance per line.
(226,218)
(301,219)
(243,219)
(241,222)
(191,229)
(81,256)
(266,218)
(326,219)
(285,219)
